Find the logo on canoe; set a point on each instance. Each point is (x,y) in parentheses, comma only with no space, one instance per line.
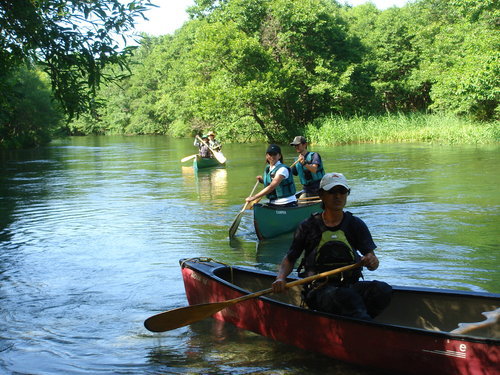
(450,353)
(280,212)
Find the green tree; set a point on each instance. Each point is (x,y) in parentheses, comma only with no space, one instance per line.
(460,44)
(276,63)
(72,41)
(28,114)
(392,56)
(253,69)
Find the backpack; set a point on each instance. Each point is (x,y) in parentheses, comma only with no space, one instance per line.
(333,251)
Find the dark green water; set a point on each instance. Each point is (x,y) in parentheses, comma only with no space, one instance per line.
(91,231)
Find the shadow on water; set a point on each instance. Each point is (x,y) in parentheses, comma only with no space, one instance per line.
(22,175)
(270,252)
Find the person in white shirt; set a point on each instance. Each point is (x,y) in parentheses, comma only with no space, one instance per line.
(279,186)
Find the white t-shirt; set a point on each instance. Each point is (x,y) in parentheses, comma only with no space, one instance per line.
(281,170)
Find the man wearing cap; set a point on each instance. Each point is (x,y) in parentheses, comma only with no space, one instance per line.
(333,239)
(212,142)
(279,186)
(309,168)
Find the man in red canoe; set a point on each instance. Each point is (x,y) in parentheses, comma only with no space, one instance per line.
(333,239)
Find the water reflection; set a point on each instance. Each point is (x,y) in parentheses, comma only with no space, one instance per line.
(92,228)
(270,252)
(210,183)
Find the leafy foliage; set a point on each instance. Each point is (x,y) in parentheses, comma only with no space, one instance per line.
(460,44)
(72,41)
(264,69)
(28,114)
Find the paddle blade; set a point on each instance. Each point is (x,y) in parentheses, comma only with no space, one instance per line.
(236,224)
(188,158)
(183,316)
(219,156)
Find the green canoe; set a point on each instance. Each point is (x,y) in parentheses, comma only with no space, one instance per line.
(200,163)
(271,221)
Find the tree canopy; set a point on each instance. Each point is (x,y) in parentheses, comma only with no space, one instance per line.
(262,69)
(72,41)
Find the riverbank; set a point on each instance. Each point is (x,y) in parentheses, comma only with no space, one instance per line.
(402,128)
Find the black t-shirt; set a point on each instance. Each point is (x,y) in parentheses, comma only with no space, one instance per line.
(308,235)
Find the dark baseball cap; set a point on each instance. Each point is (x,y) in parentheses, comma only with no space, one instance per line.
(273,149)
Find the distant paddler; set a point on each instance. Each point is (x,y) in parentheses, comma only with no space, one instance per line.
(202,145)
(212,142)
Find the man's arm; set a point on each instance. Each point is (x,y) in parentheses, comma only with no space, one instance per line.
(285,268)
(314,165)
(370,261)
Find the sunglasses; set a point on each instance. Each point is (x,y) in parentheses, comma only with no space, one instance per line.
(338,190)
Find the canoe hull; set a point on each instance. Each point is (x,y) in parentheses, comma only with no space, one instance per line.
(202,163)
(270,222)
(390,347)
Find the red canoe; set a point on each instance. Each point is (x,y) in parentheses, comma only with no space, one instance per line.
(412,336)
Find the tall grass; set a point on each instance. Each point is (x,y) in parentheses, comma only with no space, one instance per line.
(431,128)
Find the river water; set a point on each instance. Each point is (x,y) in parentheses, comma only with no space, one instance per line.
(92,228)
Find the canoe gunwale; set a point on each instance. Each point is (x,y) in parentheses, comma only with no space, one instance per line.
(265,223)
(214,270)
(206,163)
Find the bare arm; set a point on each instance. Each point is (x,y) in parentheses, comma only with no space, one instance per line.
(370,261)
(269,188)
(313,168)
(285,268)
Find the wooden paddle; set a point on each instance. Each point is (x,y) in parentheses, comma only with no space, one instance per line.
(183,316)
(236,222)
(309,198)
(217,154)
(252,203)
(188,158)
(491,318)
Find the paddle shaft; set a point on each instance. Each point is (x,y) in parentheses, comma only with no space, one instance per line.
(234,227)
(295,162)
(309,198)
(183,316)
(251,193)
(296,282)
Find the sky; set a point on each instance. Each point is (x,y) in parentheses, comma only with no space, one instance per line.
(171,14)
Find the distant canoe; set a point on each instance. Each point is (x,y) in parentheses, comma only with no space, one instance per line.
(414,335)
(201,163)
(271,221)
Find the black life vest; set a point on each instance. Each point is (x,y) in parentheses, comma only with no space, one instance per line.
(334,251)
